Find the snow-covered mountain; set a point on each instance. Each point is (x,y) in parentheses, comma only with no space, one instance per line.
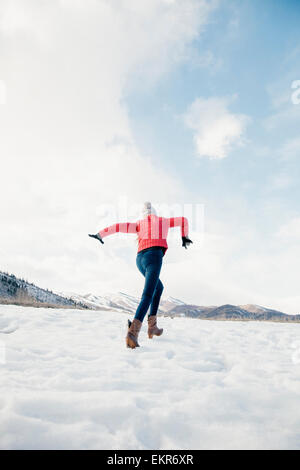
(170,306)
(254,308)
(113,302)
(19,291)
(119,301)
(168,303)
(232,312)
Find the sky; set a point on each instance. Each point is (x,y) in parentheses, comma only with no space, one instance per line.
(105,104)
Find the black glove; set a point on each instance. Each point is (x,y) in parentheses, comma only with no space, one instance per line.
(97,236)
(186,242)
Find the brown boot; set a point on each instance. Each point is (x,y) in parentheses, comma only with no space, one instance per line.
(132,334)
(152,327)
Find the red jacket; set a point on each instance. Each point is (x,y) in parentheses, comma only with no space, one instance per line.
(151,231)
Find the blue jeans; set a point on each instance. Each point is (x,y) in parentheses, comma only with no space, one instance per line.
(149,263)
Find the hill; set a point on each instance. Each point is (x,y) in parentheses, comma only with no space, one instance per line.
(18,291)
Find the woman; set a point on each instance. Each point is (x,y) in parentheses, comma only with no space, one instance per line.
(152,232)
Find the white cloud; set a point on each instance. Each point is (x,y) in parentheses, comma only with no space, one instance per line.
(216,129)
(2,92)
(66,148)
(66,145)
(238,265)
(290,231)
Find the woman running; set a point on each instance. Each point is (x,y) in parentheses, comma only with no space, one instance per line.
(152,232)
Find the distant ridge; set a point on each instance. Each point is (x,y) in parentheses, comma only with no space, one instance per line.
(176,308)
(233,312)
(17,291)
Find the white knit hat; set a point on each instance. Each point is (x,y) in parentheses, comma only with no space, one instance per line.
(148,209)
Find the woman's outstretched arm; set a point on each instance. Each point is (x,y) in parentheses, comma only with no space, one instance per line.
(183,223)
(126,227)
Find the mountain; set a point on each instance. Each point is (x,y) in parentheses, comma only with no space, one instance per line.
(113,302)
(120,302)
(172,307)
(18,291)
(232,312)
(168,303)
(14,290)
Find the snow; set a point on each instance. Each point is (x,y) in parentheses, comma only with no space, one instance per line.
(109,301)
(123,300)
(175,301)
(69,382)
(118,301)
(254,308)
(90,300)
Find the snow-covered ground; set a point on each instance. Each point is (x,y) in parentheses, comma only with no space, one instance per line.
(68,381)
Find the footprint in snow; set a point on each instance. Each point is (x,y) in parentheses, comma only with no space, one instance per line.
(7,327)
(170,354)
